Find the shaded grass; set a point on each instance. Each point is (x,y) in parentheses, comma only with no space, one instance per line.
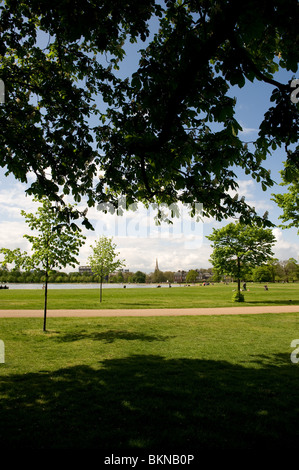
(217,295)
(155,383)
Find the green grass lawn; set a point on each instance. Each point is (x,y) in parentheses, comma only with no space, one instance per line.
(217,295)
(169,384)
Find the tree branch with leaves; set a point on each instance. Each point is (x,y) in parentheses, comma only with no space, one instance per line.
(289,200)
(72,109)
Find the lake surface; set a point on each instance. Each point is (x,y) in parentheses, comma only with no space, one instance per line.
(85,286)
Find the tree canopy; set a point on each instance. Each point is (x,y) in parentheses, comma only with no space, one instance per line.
(191,275)
(103,260)
(237,248)
(166,132)
(289,200)
(53,244)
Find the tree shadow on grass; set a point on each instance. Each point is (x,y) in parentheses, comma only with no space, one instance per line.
(270,303)
(151,403)
(109,336)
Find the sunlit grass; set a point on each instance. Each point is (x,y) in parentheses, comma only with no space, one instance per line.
(217,295)
(163,383)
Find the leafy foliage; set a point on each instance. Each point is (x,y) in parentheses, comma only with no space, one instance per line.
(103,259)
(238,247)
(238,297)
(71,109)
(191,276)
(139,277)
(54,244)
(289,201)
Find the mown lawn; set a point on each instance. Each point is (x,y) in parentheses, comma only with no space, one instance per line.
(217,295)
(165,384)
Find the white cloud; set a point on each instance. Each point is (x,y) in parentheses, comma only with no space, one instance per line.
(139,241)
(13,200)
(283,248)
(248,130)
(12,235)
(251,191)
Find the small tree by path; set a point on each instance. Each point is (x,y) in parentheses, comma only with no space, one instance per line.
(103,259)
(55,244)
(238,247)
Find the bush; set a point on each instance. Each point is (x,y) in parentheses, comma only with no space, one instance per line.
(238,297)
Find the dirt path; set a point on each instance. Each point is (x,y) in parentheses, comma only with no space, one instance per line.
(150,312)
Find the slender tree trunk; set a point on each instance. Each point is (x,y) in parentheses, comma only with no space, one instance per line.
(46,300)
(101,285)
(239,280)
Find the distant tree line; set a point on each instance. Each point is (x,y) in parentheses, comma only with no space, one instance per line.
(273,271)
(38,276)
(281,271)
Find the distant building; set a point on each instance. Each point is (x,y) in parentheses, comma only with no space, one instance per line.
(202,275)
(120,271)
(85,269)
(180,276)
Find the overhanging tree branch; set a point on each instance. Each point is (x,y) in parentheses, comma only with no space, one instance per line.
(248,61)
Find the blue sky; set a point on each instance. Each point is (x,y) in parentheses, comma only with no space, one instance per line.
(138,239)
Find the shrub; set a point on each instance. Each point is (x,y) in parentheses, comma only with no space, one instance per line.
(238,297)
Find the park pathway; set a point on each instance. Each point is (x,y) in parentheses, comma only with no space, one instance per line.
(151,312)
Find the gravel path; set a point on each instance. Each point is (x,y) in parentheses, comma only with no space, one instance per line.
(150,312)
